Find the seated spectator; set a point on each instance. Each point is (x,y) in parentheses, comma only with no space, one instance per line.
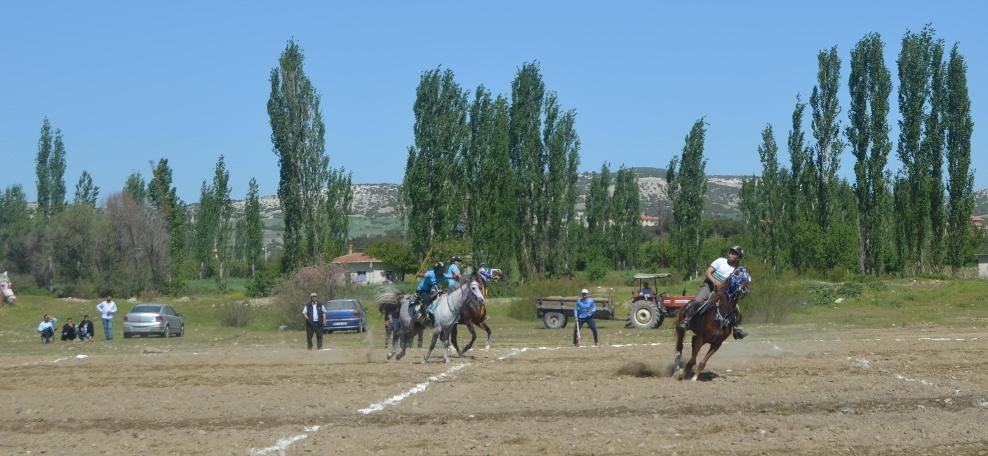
(47,329)
(85,328)
(68,330)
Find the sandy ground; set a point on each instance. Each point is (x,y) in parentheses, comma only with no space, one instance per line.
(785,390)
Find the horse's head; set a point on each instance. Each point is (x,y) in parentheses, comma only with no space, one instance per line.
(738,284)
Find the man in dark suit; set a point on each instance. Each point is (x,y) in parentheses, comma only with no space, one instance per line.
(315,319)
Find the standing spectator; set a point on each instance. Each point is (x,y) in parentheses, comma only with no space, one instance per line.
(107,309)
(47,329)
(315,319)
(68,330)
(583,311)
(85,329)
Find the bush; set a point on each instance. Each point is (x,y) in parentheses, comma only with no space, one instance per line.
(770,302)
(597,269)
(292,293)
(235,314)
(521,309)
(261,285)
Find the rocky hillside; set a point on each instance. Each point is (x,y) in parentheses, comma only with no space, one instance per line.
(381,200)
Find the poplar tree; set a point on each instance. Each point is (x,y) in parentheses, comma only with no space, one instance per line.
(432,190)
(85,191)
(868,134)
(253,229)
(314,197)
(770,197)
(136,187)
(687,185)
(960,183)
(826,130)
(626,214)
(932,149)
(528,163)
(599,216)
(493,231)
(801,191)
(50,170)
(913,183)
(562,158)
(162,195)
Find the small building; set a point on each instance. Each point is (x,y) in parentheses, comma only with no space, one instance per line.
(983,266)
(978,223)
(364,269)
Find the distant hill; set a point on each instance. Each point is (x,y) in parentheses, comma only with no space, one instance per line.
(375,206)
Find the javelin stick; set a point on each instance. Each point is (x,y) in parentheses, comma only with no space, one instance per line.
(578,328)
(424,262)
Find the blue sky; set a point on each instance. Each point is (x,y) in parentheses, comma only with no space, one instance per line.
(130,82)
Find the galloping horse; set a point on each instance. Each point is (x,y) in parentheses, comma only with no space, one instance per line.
(403,327)
(713,322)
(449,307)
(475,314)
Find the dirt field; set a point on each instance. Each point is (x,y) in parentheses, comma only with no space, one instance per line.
(785,390)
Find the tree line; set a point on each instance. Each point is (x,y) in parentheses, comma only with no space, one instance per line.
(144,237)
(916,221)
(497,177)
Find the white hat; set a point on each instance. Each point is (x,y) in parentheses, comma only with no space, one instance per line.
(584,291)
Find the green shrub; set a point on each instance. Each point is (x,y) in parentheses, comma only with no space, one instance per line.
(521,309)
(236,314)
(261,285)
(850,289)
(770,301)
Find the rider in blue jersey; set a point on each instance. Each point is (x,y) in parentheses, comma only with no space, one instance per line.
(428,288)
(454,275)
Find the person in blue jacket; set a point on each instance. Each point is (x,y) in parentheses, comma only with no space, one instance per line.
(454,275)
(427,290)
(583,311)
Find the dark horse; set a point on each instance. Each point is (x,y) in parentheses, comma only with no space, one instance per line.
(475,314)
(713,322)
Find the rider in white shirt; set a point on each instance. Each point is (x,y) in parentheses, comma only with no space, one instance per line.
(716,273)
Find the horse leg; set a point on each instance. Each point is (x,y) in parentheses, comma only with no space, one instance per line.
(473,336)
(435,336)
(444,336)
(710,352)
(696,343)
(680,334)
(487,329)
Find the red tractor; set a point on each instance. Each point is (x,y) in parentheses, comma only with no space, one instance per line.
(648,308)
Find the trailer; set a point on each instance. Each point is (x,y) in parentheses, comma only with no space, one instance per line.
(555,311)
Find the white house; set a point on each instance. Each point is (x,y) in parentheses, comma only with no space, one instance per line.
(364,269)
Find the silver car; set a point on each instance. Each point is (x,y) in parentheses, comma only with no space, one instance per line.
(158,319)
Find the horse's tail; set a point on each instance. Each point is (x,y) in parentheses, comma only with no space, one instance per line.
(387,299)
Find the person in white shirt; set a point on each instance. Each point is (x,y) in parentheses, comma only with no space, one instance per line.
(315,319)
(47,328)
(716,273)
(107,309)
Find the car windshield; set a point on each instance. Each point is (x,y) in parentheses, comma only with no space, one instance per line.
(343,304)
(145,309)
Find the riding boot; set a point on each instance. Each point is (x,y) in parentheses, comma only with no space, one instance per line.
(739,333)
(689,314)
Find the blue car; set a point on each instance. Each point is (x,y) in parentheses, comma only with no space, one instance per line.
(345,315)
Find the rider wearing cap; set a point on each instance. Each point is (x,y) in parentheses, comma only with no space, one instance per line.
(716,273)
(428,288)
(453,275)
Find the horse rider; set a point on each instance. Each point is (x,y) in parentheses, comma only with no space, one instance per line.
(428,289)
(717,272)
(454,275)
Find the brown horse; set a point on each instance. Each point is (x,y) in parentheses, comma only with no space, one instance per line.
(475,314)
(713,322)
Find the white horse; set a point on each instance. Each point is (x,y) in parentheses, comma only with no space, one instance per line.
(6,289)
(448,308)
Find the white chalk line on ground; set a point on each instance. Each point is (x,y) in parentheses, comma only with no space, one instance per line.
(283,443)
(865,364)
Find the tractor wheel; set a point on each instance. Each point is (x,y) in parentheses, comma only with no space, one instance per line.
(554,320)
(644,315)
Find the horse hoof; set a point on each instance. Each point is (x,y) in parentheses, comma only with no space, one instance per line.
(696,377)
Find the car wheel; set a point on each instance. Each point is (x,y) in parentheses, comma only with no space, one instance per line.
(165,332)
(181,330)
